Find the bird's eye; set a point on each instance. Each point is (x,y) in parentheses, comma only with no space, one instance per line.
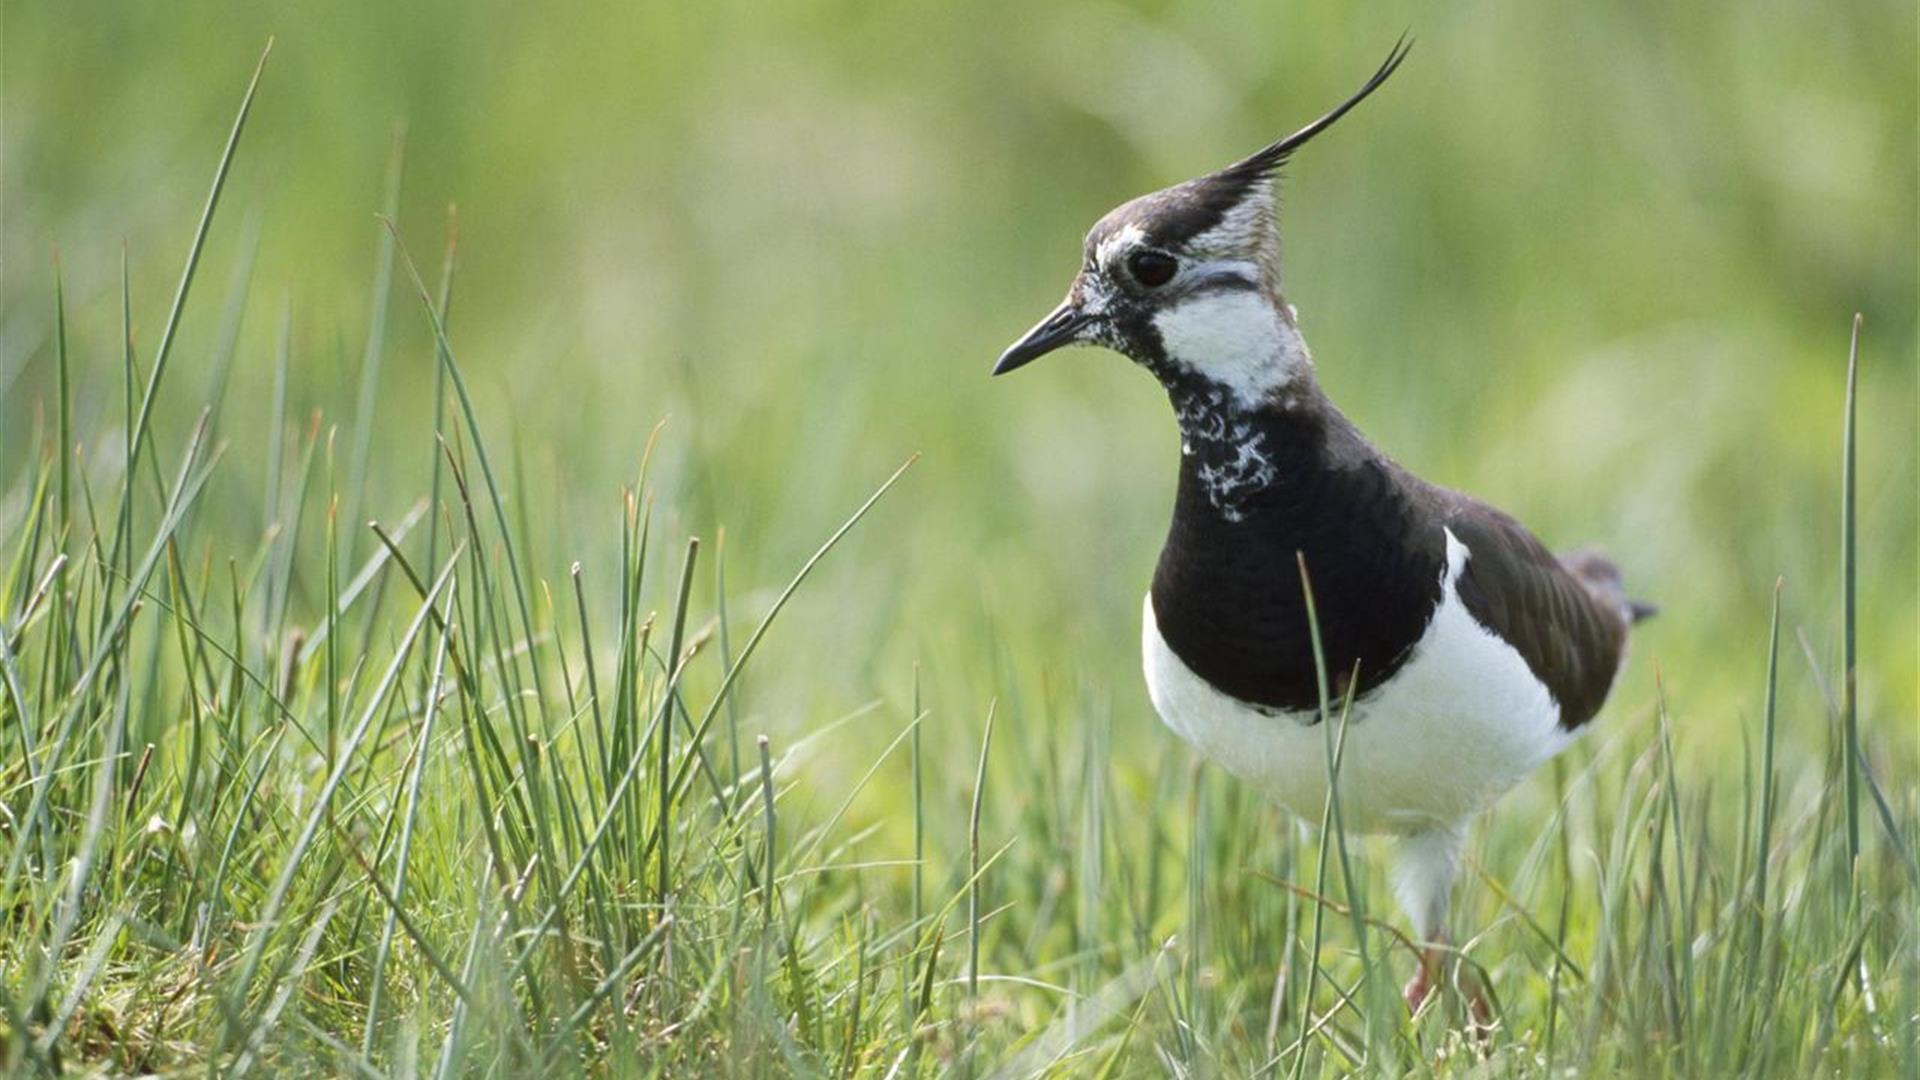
(1152,268)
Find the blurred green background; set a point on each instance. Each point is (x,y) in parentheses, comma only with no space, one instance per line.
(1595,263)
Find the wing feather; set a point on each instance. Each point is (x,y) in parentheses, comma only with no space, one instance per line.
(1572,633)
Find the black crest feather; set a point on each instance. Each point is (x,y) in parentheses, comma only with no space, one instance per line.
(1263,163)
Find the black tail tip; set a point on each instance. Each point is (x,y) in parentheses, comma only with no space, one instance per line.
(1640,611)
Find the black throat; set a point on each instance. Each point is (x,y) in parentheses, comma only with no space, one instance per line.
(1260,486)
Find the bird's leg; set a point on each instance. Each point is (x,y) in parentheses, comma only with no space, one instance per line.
(1431,973)
(1426,976)
(1434,970)
(1423,877)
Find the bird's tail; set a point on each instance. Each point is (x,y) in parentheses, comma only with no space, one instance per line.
(1601,576)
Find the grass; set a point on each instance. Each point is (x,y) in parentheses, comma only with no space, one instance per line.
(280,792)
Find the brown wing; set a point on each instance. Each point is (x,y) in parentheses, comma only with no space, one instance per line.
(1571,636)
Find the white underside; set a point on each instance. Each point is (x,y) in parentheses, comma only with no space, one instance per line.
(1461,722)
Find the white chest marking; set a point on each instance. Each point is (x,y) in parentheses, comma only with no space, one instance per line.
(1235,338)
(1234,460)
(1462,721)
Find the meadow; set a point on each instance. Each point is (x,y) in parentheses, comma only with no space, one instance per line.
(511,562)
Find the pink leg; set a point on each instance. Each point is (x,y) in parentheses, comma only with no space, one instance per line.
(1428,977)
(1425,978)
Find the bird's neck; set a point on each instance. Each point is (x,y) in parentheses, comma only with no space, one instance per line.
(1238,454)
(1241,382)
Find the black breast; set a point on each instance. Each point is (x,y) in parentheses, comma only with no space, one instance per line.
(1227,594)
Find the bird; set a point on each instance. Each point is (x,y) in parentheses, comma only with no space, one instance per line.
(1464,652)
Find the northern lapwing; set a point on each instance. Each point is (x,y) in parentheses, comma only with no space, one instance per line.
(1473,654)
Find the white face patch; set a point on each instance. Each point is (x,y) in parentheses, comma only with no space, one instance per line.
(1234,338)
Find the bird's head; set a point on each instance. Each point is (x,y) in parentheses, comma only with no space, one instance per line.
(1186,281)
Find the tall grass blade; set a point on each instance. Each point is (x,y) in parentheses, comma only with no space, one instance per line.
(767,878)
(664,824)
(766,621)
(452,368)
(63,449)
(137,439)
(1849,571)
(372,354)
(444,301)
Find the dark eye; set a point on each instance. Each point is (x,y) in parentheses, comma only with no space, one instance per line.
(1152,268)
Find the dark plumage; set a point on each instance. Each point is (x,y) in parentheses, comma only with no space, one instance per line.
(1230,602)
(1228,593)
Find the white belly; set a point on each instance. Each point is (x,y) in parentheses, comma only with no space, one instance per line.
(1463,720)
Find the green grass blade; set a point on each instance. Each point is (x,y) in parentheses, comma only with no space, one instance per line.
(371,355)
(663,825)
(137,440)
(63,450)
(1849,615)
(766,622)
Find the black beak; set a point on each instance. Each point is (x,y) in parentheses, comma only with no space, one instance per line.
(1061,327)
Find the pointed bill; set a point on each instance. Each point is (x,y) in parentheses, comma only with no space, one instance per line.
(1061,327)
